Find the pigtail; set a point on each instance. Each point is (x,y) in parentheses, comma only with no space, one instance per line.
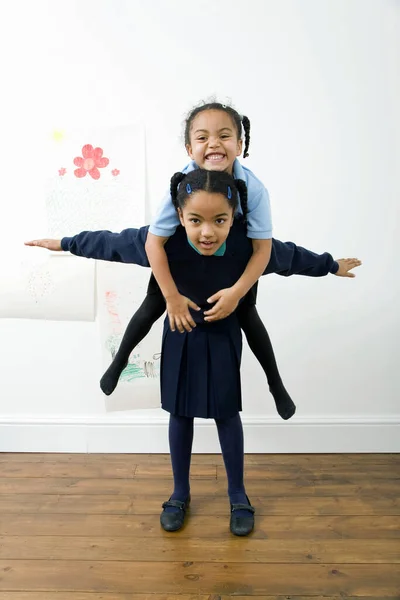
(242,189)
(175,181)
(246,127)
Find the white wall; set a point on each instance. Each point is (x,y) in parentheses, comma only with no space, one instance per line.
(320,84)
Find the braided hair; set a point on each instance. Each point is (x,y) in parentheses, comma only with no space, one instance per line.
(216,182)
(246,127)
(242,189)
(237,119)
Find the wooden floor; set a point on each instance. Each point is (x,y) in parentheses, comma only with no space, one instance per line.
(86,527)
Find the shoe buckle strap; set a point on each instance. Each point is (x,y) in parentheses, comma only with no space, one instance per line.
(247,507)
(175,504)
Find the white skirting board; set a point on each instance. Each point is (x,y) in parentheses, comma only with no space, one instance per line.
(108,434)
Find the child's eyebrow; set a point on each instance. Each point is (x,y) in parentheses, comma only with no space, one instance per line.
(192,214)
(219,131)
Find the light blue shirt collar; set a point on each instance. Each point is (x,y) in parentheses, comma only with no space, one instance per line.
(219,252)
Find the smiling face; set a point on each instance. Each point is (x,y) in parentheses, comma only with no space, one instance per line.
(207,218)
(214,142)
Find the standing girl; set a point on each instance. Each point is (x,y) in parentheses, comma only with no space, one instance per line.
(200,370)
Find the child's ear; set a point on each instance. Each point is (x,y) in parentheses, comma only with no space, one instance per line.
(239,148)
(189,150)
(180,215)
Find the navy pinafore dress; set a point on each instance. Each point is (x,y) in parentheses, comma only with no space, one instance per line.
(200,370)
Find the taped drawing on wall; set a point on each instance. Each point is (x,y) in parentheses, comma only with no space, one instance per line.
(121,289)
(96,180)
(60,287)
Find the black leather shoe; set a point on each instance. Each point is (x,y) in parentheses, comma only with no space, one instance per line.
(172,521)
(242,525)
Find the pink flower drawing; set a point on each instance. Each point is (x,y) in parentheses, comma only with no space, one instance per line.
(62,171)
(115,172)
(91,161)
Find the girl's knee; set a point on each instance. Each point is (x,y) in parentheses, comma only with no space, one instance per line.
(152,307)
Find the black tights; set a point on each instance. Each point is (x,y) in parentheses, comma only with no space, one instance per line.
(153,307)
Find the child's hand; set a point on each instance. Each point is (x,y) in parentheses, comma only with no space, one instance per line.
(226,302)
(46,243)
(178,313)
(345,265)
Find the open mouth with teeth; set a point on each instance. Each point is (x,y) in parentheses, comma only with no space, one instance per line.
(215,157)
(206,244)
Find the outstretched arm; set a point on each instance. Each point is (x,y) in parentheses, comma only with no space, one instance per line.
(127,246)
(288,259)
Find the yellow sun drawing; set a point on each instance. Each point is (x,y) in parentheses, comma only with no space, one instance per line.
(58,135)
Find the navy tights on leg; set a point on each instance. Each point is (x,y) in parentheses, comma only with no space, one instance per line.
(180,445)
(230,433)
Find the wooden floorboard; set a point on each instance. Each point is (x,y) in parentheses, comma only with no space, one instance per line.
(177,596)
(86,527)
(198,577)
(122,504)
(211,488)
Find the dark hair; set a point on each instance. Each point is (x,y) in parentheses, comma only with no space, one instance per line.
(217,182)
(237,119)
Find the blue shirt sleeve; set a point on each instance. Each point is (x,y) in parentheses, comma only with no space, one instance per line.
(259,221)
(166,221)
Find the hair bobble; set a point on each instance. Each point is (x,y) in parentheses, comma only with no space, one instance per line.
(229,192)
(188,188)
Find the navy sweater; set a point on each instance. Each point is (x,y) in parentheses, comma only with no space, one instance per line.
(196,276)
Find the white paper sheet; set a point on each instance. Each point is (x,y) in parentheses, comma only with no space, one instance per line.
(96,180)
(111,197)
(57,287)
(121,289)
